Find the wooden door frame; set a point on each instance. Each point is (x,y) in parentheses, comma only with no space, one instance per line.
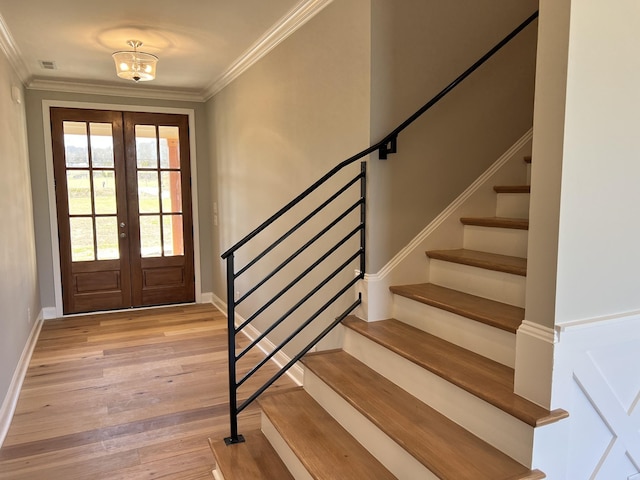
(53,218)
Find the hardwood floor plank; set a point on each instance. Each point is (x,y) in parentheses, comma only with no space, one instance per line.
(126,395)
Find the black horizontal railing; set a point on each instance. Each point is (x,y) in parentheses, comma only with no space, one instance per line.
(340,220)
(384,147)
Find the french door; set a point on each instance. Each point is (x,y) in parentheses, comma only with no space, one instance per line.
(123,198)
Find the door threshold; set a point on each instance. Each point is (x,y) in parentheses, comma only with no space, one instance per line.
(124,310)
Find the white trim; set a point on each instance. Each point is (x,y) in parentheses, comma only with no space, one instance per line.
(12,52)
(217,474)
(537,331)
(53,219)
(206,297)
(294,19)
(11,399)
(114,90)
(535,346)
(219,303)
(594,321)
(450,210)
(296,372)
(49,313)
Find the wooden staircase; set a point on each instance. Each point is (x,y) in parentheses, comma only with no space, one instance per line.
(428,394)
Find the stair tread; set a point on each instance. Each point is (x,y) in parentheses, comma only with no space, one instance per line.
(499,222)
(444,447)
(486,260)
(325,448)
(484,378)
(512,189)
(255,459)
(500,315)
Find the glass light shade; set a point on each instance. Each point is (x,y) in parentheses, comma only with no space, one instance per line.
(136,66)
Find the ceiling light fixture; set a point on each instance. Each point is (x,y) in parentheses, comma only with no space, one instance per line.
(135,65)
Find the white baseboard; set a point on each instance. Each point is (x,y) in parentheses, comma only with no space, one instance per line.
(296,372)
(49,313)
(217,474)
(219,303)
(11,399)
(206,297)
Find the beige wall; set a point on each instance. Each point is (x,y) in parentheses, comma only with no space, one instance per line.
(599,232)
(285,122)
(418,47)
(34,99)
(19,297)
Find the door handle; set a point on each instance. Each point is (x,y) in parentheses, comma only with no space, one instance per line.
(122,225)
(123,235)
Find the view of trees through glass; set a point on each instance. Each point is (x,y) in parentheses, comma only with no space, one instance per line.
(91,186)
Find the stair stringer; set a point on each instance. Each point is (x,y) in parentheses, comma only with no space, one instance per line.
(445,231)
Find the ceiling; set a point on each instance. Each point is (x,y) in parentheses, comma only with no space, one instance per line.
(202,44)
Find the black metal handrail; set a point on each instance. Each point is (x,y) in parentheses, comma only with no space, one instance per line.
(386,146)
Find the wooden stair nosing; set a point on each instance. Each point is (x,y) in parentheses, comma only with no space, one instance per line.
(495,314)
(321,444)
(252,460)
(486,260)
(497,222)
(512,188)
(527,159)
(479,376)
(422,431)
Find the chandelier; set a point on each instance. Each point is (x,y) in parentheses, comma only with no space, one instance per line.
(135,65)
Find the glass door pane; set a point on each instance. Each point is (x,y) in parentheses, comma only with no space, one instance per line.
(159,190)
(91,190)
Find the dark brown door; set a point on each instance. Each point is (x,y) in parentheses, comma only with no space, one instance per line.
(124,211)
(159,193)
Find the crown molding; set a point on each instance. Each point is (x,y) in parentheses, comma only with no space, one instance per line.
(114,90)
(294,19)
(298,16)
(12,52)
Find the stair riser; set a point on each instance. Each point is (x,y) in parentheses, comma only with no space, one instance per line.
(389,453)
(490,342)
(505,241)
(487,422)
(498,286)
(512,205)
(287,455)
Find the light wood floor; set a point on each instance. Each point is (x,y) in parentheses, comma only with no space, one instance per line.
(126,396)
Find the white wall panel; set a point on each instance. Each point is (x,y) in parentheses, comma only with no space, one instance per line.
(597,380)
